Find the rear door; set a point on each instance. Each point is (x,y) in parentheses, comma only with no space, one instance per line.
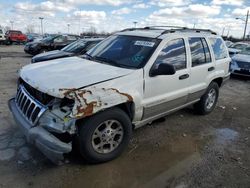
(202,67)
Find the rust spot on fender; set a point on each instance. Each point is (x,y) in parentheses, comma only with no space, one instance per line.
(88,102)
(125,94)
(88,110)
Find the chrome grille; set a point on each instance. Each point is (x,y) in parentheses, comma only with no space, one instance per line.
(30,108)
(243,65)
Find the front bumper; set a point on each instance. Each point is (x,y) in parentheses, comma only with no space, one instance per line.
(241,72)
(46,142)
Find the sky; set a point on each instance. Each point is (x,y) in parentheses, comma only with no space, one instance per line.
(113,15)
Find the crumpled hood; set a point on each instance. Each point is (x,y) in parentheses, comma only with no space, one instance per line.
(242,57)
(51,55)
(53,76)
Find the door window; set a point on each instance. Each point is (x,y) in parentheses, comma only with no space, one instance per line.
(174,53)
(199,51)
(59,39)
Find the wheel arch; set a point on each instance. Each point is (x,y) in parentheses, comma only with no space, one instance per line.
(218,80)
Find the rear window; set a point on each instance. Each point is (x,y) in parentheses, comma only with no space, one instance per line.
(199,51)
(220,50)
(15,32)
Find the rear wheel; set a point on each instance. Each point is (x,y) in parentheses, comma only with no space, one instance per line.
(105,135)
(208,101)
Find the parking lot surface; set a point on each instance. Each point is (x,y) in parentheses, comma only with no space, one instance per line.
(181,150)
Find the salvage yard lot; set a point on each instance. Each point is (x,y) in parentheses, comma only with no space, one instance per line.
(185,150)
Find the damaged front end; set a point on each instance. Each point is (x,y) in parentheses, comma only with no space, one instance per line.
(45,120)
(50,122)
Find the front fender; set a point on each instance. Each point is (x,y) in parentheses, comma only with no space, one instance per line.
(90,101)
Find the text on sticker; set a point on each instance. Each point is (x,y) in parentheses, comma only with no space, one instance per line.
(144,43)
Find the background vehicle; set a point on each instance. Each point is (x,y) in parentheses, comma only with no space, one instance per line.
(228,43)
(15,36)
(236,48)
(50,43)
(2,36)
(34,36)
(240,64)
(128,80)
(78,47)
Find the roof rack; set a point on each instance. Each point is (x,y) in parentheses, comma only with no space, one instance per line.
(162,26)
(172,29)
(189,29)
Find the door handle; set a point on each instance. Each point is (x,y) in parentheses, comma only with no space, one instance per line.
(184,76)
(210,69)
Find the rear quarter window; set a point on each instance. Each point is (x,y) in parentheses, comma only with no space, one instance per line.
(219,48)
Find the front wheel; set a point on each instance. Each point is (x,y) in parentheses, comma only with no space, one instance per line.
(105,135)
(208,101)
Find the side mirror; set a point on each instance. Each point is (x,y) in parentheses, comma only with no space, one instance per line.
(162,69)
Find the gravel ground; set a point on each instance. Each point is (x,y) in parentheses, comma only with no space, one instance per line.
(181,150)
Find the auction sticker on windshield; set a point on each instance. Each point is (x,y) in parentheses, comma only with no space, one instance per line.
(144,43)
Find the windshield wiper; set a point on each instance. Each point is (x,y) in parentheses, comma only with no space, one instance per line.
(87,56)
(108,61)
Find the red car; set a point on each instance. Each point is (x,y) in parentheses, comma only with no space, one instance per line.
(15,36)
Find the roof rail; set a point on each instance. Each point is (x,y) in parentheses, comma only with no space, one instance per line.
(172,29)
(189,29)
(132,29)
(166,26)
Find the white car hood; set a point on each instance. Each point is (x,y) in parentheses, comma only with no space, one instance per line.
(242,57)
(234,50)
(68,73)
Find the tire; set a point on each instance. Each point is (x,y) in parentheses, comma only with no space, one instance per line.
(99,128)
(208,101)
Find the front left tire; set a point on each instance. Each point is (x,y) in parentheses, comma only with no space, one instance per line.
(104,136)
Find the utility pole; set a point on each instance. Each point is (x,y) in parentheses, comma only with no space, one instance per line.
(135,24)
(12,22)
(41,18)
(246,21)
(68,27)
(246,25)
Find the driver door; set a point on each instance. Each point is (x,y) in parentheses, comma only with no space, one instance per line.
(166,92)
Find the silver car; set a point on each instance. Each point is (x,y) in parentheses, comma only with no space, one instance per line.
(240,64)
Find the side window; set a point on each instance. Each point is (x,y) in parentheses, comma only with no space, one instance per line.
(199,51)
(59,39)
(206,50)
(220,50)
(174,53)
(70,37)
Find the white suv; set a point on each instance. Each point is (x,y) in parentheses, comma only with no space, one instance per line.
(128,80)
(2,36)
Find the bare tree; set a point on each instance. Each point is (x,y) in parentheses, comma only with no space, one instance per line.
(30,29)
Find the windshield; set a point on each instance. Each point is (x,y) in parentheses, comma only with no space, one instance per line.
(48,39)
(238,46)
(75,47)
(124,51)
(1,32)
(246,51)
